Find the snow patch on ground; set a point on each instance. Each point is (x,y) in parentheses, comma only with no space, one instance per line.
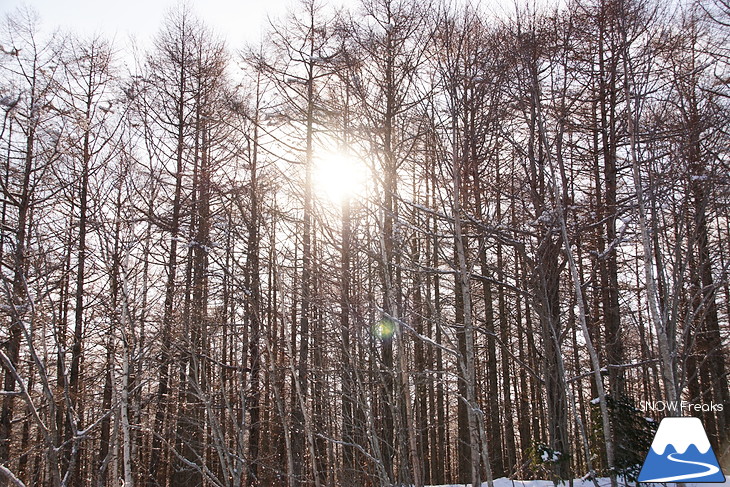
(602,482)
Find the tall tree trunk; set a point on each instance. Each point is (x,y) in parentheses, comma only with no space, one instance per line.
(253,305)
(157,468)
(20,266)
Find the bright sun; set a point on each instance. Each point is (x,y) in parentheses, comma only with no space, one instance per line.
(339,176)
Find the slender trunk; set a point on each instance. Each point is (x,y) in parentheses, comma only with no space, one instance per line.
(158,471)
(466,360)
(658,317)
(19,296)
(253,309)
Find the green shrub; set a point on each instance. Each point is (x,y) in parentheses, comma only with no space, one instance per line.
(632,433)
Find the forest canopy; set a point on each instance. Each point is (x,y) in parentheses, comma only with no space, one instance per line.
(402,243)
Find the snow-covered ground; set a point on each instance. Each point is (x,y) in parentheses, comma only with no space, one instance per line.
(603,482)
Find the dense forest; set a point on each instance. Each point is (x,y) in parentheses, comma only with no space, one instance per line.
(401,243)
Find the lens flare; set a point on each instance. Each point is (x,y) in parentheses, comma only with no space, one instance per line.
(383,329)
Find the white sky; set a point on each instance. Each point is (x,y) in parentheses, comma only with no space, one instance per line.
(238,21)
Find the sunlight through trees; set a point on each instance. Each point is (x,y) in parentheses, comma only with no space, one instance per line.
(404,243)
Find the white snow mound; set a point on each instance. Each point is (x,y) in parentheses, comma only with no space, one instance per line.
(680,433)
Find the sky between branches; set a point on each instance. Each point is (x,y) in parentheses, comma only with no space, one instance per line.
(238,21)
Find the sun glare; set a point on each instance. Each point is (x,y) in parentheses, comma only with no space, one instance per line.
(339,176)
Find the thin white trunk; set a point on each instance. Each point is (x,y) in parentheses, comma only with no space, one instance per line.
(279,407)
(468,361)
(411,425)
(666,351)
(127,333)
(595,362)
(9,477)
(239,460)
(372,433)
(48,432)
(307,420)
(114,460)
(308,432)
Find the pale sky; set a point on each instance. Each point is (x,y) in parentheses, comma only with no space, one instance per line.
(237,21)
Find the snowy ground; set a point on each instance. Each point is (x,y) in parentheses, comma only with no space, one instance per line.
(603,482)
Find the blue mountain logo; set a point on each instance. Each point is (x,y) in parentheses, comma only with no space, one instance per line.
(681,452)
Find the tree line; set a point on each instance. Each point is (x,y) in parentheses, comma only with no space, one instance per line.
(540,246)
